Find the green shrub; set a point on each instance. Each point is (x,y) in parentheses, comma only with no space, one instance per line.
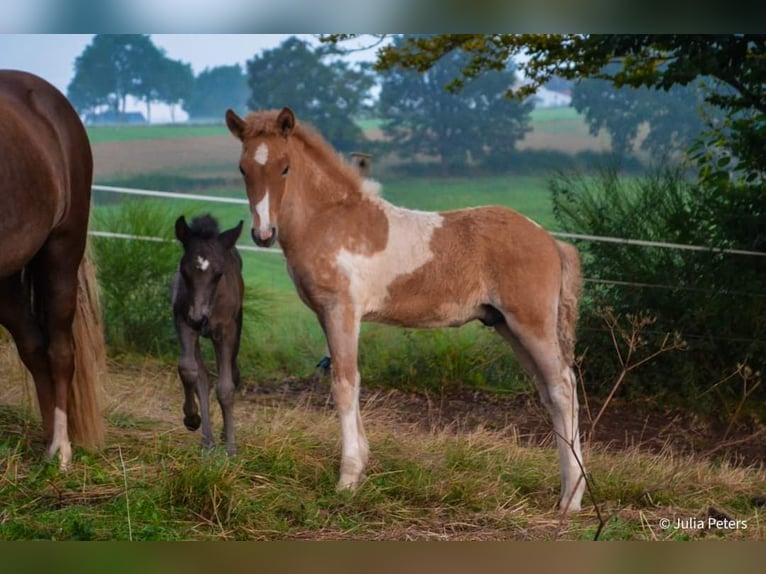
(713,300)
(135,278)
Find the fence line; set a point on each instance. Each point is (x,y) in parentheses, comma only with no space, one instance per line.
(111,235)
(598,238)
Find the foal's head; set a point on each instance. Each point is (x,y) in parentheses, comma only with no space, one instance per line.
(265,164)
(203,263)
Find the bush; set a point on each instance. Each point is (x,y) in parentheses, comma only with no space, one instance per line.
(714,300)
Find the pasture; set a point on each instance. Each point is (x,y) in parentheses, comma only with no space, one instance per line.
(466,456)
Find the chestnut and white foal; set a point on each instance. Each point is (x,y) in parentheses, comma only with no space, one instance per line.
(354,257)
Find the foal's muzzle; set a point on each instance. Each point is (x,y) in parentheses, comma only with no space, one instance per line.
(268,242)
(199,324)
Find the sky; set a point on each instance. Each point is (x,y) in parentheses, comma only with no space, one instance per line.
(52,56)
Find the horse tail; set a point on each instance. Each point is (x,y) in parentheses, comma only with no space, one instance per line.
(86,426)
(571,286)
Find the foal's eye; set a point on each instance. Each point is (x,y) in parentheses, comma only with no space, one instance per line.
(286,170)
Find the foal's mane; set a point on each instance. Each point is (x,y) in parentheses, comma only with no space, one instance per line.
(265,123)
(204,227)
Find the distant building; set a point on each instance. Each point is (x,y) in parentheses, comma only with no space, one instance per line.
(546,98)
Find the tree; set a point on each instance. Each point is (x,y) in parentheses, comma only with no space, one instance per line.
(325,92)
(174,83)
(215,90)
(674,117)
(113,67)
(475,124)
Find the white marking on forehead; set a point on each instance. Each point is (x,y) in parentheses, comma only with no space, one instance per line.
(261,154)
(262,210)
(408,249)
(202,263)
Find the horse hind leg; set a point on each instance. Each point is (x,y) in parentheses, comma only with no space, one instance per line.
(16,315)
(56,291)
(557,386)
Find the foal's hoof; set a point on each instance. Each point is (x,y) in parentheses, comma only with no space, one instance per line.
(348,484)
(192,422)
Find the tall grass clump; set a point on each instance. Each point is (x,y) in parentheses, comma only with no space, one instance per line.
(713,300)
(135,278)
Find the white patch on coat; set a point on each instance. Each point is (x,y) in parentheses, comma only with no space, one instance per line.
(60,442)
(261,154)
(202,263)
(408,248)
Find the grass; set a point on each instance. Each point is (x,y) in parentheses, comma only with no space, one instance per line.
(424,482)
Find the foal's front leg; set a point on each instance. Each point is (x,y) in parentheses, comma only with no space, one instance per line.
(194,376)
(342,331)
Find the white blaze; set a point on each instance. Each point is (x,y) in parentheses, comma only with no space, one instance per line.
(261,154)
(262,211)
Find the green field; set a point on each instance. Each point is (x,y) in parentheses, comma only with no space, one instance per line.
(100,134)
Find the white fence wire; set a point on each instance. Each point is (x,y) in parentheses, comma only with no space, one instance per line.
(242,201)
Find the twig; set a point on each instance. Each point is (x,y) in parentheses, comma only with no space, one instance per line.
(634,341)
(127,501)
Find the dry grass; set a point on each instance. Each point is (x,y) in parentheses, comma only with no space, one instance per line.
(430,481)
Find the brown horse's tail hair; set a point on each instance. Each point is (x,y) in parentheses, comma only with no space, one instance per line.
(86,425)
(571,285)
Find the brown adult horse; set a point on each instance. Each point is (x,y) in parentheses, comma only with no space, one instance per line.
(48,297)
(354,257)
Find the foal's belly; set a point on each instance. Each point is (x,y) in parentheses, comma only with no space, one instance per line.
(425,312)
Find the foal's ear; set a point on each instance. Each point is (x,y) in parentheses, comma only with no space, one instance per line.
(182,230)
(229,237)
(235,124)
(286,121)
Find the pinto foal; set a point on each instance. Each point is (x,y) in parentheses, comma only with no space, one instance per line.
(207,301)
(354,257)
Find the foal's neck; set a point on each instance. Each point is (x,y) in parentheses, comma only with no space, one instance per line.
(319,181)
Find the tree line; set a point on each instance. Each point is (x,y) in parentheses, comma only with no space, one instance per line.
(474,126)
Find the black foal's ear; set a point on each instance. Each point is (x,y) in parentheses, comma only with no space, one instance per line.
(229,237)
(182,230)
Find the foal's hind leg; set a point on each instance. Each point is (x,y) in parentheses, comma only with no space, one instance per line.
(226,360)
(557,386)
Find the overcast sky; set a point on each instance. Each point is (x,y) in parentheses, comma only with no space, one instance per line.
(52,56)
